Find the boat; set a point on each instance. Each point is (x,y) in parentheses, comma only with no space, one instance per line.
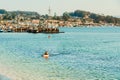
(9,30)
(1,30)
(32,31)
(52,32)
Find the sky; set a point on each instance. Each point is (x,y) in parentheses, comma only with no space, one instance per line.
(106,7)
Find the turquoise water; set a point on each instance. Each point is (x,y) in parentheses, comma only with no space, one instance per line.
(78,54)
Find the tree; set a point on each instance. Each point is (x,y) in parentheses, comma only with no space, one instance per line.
(2,11)
(66,16)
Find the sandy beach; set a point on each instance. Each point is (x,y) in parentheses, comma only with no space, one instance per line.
(3,78)
(6,73)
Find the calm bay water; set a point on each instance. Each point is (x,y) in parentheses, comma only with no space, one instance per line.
(77,54)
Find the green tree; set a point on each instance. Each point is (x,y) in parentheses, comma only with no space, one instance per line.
(2,11)
(66,16)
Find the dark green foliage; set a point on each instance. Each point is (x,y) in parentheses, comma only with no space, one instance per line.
(79,13)
(2,11)
(57,18)
(66,16)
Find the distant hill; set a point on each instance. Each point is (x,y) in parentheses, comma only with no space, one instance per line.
(13,14)
(97,18)
(23,12)
(29,14)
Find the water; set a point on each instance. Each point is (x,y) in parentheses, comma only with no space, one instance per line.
(78,54)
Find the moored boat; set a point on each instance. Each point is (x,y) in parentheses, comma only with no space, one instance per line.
(1,30)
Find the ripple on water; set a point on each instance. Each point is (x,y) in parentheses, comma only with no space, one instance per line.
(73,55)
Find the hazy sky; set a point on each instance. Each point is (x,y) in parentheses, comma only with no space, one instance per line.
(107,7)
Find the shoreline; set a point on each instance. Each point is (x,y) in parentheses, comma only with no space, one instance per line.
(60,31)
(6,73)
(2,77)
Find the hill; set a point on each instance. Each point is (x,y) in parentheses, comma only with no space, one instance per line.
(8,15)
(96,18)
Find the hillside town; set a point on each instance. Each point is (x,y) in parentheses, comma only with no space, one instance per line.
(20,22)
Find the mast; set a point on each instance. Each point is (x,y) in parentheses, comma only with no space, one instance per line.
(49,11)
